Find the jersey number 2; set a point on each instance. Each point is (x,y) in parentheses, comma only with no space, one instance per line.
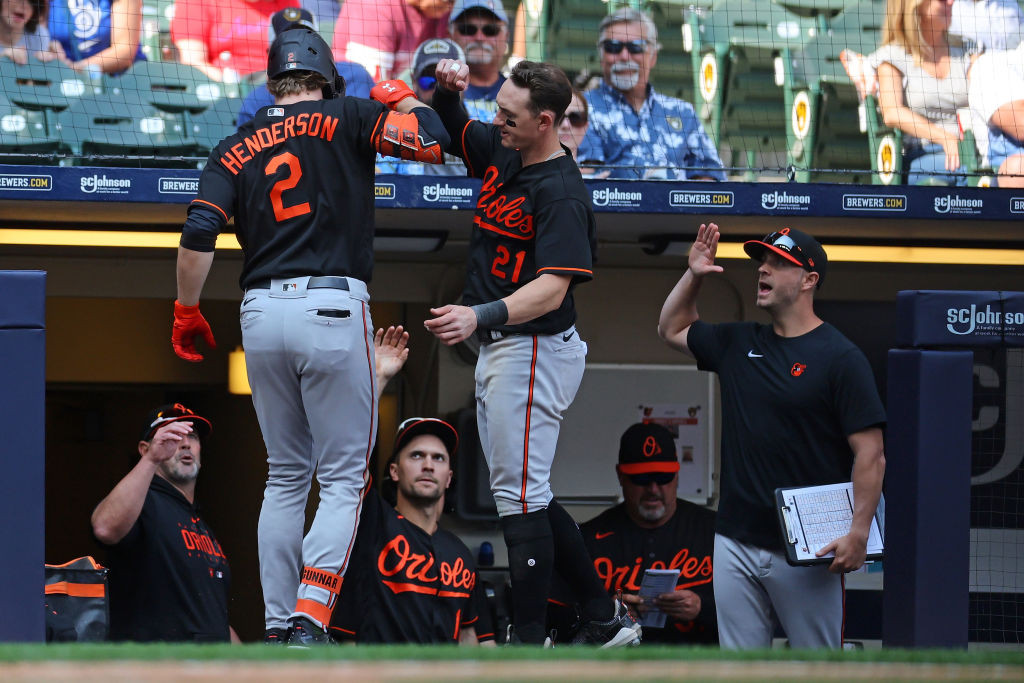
(282,212)
(502,259)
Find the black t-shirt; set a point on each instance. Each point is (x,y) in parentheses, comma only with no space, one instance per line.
(528,222)
(622,551)
(404,585)
(788,406)
(298,180)
(169,577)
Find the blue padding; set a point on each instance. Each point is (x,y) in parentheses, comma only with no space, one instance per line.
(960,319)
(22,299)
(928,487)
(22,483)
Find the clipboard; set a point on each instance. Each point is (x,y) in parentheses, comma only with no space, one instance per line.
(811,517)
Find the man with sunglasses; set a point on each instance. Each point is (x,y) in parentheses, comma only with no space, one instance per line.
(534,240)
(635,131)
(799,408)
(653,529)
(480,27)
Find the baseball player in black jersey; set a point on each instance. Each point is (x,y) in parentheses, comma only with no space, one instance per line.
(799,408)
(409,581)
(298,180)
(532,243)
(169,577)
(652,529)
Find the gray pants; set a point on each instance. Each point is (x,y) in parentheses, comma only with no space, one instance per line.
(524,384)
(310,362)
(754,587)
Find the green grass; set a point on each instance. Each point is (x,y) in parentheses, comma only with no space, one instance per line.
(376,653)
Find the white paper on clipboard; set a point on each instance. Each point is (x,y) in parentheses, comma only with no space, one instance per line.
(654,583)
(814,516)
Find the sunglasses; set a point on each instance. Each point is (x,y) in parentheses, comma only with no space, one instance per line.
(489,30)
(426,82)
(576,118)
(781,240)
(634,47)
(645,479)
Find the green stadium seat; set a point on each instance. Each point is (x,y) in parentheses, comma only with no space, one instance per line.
(107,129)
(733,46)
(885,145)
(824,136)
(217,122)
(24,138)
(45,87)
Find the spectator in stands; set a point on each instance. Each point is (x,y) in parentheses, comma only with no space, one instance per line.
(922,81)
(480,27)
(225,39)
(23,31)
(574,124)
(989,24)
(638,132)
(997,101)
(423,81)
(357,81)
(382,35)
(98,35)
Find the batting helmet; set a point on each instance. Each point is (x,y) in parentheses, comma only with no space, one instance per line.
(301,49)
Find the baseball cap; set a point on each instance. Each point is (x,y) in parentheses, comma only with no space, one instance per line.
(793,245)
(290,17)
(174,412)
(645,448)
(432,51)
(493,6)
(415,426)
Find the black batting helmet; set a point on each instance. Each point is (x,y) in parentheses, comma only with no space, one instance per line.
(302,49)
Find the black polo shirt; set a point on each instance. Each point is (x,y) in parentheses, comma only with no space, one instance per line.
(169,577)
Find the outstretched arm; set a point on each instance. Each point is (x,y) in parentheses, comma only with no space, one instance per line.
(680,308)
(390,351)
(116,514)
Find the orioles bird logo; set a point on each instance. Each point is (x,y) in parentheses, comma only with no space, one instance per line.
(797,369)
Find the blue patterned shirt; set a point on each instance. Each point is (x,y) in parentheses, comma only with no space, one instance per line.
(657,142)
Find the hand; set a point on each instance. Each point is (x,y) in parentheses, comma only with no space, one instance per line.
(681,605)
(850,551)
(702,253)
(951,146)
(390,351)
(164,443)
(189,323)
(452,75)
(451,324)
(390,93)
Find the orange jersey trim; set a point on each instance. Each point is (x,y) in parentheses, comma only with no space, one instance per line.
(398,587)
(574,270)
(321,578)
(203,201)
(90,558)
(452,594)
(493,228)
(343,630)
(76,590)
(458,615)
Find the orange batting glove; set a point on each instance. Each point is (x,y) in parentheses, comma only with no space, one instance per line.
(390,93)
(189,323)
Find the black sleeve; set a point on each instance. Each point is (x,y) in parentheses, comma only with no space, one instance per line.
(348,613)
(212,208)
(708,343)
(484,623)
(857,401)
(448,106)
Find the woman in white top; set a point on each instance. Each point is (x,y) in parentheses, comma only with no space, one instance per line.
(922,81)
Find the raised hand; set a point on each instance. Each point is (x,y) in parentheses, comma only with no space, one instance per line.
(702,253)
(390,351)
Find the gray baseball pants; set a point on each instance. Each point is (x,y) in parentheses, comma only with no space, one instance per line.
(309,354)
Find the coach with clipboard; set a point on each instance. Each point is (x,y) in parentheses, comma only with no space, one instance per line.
(799,408)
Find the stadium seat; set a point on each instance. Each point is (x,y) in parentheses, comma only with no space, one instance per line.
(217,122)
(43,87)
(824,136)
(885,146)
(733,46)
(24,138)
(108,129)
